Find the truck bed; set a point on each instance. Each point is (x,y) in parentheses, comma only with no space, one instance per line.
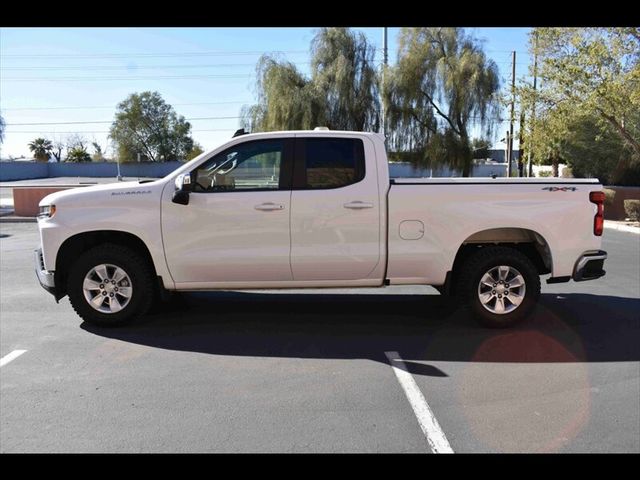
(490,181)
(428,220)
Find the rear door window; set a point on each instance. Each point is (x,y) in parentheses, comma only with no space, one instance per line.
(329,163)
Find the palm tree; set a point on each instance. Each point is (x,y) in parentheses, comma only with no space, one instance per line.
(78,154)
(41,147)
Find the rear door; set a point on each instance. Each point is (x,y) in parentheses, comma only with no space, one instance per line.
(335,209)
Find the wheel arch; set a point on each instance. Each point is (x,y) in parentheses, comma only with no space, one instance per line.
(529,242)
(77,244)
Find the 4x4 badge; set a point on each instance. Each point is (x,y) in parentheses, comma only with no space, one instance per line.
(560,189)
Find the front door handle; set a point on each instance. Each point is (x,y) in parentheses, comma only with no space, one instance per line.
(266,207)
(358,205)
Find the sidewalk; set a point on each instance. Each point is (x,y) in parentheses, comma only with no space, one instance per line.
(631,227)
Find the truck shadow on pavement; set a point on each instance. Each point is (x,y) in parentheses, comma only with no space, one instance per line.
(422,328)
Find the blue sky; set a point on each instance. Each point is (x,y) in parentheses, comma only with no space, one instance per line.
(65,75)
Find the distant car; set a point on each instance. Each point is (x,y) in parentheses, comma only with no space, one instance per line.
(302,209)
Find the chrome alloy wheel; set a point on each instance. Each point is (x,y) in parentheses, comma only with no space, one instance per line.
(107,288)
(501,290)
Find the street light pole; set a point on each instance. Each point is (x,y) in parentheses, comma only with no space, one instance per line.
(385,59)
(118,163)
(513,101)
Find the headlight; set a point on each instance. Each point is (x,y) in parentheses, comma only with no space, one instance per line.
(47,211)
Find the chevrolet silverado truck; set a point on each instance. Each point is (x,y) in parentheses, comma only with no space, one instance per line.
(316,209)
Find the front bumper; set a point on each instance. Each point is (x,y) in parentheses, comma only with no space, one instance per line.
(45,277)
(589,266)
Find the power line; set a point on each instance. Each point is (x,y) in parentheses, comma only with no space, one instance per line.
(107,131)
(137,67)
(108,121)
(100,79)
(114,106)
(153,55)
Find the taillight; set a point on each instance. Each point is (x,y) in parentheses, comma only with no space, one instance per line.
(598,220)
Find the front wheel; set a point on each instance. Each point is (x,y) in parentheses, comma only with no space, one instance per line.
(110,285)
(501,285)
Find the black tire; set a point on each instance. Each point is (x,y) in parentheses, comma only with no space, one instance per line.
(139,274)
(481,262)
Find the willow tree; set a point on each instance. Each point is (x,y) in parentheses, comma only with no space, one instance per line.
(344,74)
(286,99)
(442,86)
(341,92)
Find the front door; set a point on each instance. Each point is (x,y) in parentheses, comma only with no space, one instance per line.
(235,228)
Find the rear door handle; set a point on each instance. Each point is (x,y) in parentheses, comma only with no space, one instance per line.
(266,207)
(358,205)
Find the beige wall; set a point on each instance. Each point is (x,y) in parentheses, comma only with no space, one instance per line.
(616,211)
(25,200)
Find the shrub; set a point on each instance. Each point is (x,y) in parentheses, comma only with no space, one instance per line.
(545,173)
(609,195)
(632,209)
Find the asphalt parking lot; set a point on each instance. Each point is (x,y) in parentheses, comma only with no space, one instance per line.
(295,371)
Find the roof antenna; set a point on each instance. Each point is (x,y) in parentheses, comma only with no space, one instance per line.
(239,132)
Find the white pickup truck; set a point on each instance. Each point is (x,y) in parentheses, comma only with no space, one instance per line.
(317,209)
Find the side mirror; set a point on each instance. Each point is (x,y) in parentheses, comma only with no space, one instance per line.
(183,187)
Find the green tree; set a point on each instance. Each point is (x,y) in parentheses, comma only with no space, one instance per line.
(442,85)
(195,151)
(545,137)
(588,77)
(145,124)
(593,149)
(341,93)
(41,147)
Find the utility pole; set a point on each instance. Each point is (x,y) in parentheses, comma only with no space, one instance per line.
(513,102)
(385,61)
(521,144)
(533,113)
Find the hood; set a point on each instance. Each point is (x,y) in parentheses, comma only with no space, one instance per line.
(96,192)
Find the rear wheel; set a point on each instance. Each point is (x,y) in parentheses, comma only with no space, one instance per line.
(500,284)
(110,285)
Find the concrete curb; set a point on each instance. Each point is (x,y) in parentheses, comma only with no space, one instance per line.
(621,227)
(18,220)
(8,216)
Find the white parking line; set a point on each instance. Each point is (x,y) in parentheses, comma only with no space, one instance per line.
(435,436)
(11,356)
